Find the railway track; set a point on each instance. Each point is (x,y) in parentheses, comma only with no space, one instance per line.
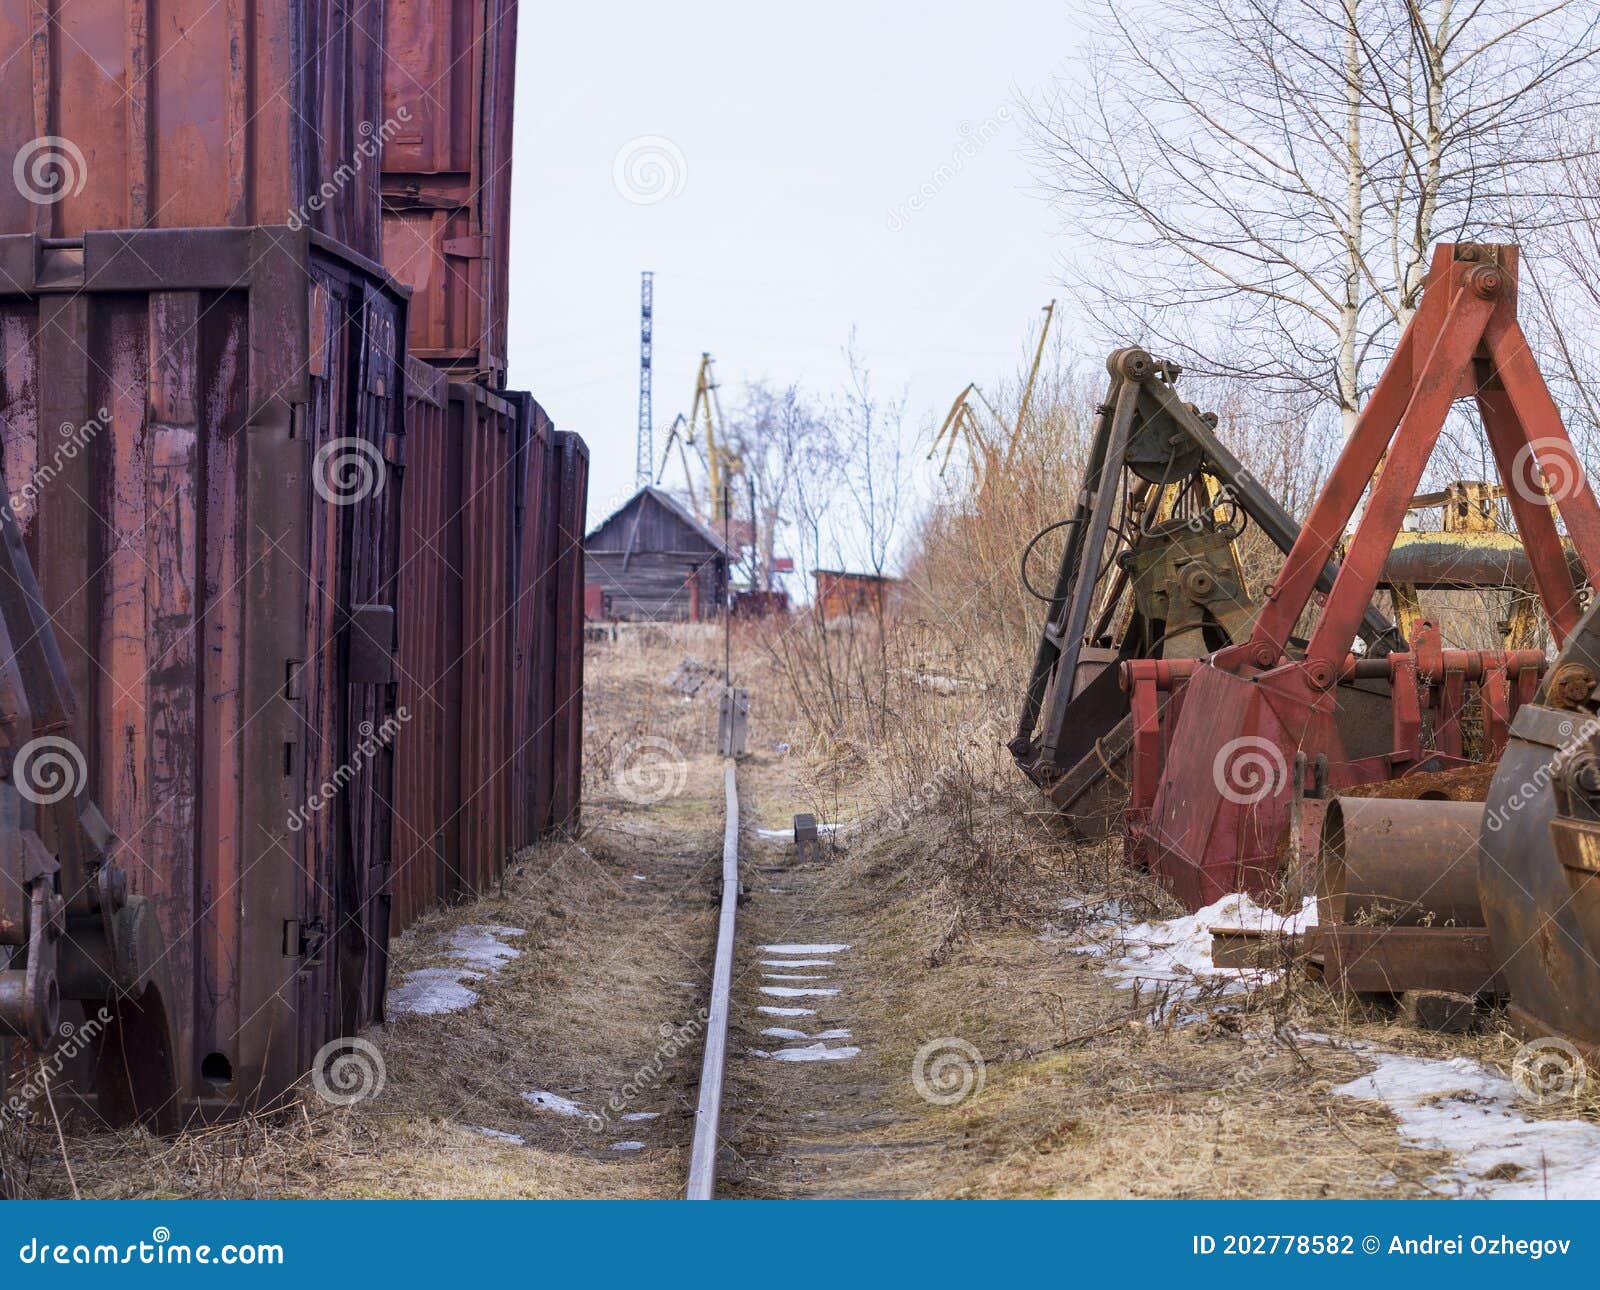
(708,1113)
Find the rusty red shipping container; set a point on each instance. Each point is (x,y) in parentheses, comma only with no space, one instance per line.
(197,427)
(121,114)
(449,72)
(484,597)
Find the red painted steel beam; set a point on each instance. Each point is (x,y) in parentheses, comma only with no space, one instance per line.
(1334,506)
(1433,391)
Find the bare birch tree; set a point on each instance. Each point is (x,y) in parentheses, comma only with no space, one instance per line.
(1258,183)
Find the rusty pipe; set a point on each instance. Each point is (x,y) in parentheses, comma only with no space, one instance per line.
(1400,862)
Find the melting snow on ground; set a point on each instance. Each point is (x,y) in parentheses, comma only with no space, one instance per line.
(427,992)
(553,1102)
(499,1135)
(1178,950)
(814,1053)
(478,948)
(627,1146)
(1463,1107)
(791,976)
(480,945)
(798,992)
(803,949)
(786,1012)
(797,962)
(641,1115)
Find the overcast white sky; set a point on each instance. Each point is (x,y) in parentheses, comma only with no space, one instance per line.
(805,130)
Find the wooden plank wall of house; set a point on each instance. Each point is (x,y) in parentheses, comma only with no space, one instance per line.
(652,560)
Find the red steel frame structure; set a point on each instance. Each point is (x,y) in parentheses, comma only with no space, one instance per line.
(1189,821)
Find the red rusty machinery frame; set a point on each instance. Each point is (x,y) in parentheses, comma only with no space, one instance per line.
(1214,819)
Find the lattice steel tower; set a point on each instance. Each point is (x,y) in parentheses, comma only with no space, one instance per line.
(644,453)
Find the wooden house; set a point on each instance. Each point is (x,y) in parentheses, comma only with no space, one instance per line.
(651,560)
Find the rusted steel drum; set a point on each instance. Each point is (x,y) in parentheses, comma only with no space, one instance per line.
(448,74)
(197,430)
(117,114)
(1540,849)
(1400,863)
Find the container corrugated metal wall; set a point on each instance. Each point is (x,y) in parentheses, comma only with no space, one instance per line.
(566,563)
(188,113)
(426,778)
(450,68)
(490,612)
(165,397)
(534,747)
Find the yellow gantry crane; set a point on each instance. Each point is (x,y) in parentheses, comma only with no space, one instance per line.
(722,467)
(961,423)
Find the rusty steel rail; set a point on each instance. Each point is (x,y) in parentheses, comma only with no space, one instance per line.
(708,1115)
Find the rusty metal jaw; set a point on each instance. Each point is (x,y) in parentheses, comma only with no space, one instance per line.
(1209,824)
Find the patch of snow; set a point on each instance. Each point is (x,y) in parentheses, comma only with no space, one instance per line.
(480,946)
(797,992)
(1178,950)
(627,1146)
(639,877)
(782,1032)
(804,949)
(786,1012)
(815,1053)
(553,1102)
(642,1115)
(797,962)
(790,976)
(430,992)
(1463,1107)
(499,1135)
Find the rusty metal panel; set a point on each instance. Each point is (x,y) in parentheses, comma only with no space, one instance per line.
(532,735)
(572,455)
(164,445)
(485,425)
(449,71)
(429,588)
(186,113)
